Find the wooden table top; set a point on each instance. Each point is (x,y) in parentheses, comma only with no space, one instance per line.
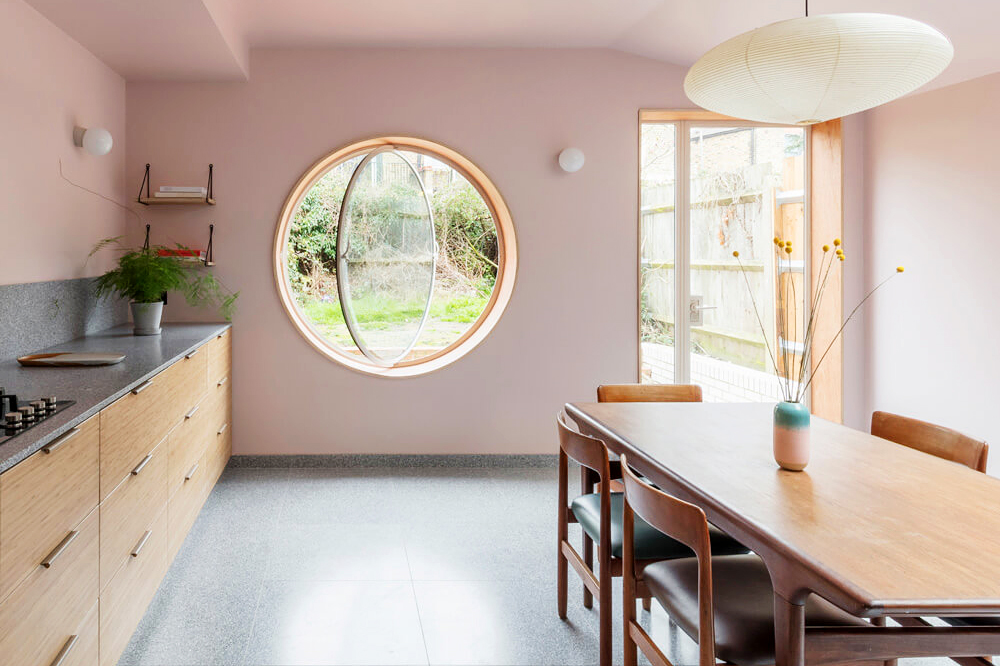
(890,527)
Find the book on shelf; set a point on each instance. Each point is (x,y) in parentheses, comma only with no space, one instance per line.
(179,195)
(184,188)
(182,253)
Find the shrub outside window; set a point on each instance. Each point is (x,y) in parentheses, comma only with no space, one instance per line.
(394,256)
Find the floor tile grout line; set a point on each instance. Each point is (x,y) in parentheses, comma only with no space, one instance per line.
(416,604)
(253,625)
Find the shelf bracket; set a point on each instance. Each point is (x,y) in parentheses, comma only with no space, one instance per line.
(209,195)
(209,256)
(145,183)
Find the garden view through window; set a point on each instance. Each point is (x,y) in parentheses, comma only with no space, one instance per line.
(392,255)
(709,189)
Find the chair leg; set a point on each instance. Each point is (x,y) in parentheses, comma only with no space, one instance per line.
(605,610)
(647,604)
(588,559)
(881,622)
(563,585)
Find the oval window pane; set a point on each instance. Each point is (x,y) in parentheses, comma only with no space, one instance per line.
(386,257)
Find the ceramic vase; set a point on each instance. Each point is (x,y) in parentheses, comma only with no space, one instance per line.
(791,435)
(146,318)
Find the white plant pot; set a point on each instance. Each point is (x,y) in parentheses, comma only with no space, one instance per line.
(146,318)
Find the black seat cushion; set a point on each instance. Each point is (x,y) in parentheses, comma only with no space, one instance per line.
(993,621)
(650,544)
(744,605)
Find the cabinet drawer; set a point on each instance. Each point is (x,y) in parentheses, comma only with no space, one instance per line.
(80,649)
(127,513)
(186,503)
(187,384)
(131,427)
(129,592)
(44,497)
(188,441)
(52,603)
(219,451)
(220,357)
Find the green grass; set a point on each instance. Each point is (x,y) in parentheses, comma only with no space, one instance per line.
(380,313)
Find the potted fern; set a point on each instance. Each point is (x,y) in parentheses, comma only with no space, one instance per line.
(145,275)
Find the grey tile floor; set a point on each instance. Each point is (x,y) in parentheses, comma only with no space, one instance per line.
(376,566)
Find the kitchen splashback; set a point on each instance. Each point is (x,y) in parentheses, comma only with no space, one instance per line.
(35,315)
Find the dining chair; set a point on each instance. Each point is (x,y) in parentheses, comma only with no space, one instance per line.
(649,393)
(724,602)
(951,445)
(933,439)
(600,517)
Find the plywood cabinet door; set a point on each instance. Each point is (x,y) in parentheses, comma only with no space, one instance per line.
(45,497)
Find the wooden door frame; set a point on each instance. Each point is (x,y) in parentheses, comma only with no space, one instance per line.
(824,182)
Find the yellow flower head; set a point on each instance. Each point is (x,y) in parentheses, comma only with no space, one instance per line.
(899,269)
(840,256)
(836,242)
(839,251)
(776,240)
(788,249)
(788,243)
(826,248)
(736,253)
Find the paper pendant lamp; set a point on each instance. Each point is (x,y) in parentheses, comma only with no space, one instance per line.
(813,69)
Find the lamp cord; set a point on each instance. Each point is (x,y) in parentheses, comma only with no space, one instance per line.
(807,8)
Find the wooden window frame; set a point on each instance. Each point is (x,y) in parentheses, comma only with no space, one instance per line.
(825,181)
(506,244)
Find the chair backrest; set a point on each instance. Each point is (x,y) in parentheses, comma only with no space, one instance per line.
(933,439)
(686,523)
(587,451)
(648,393)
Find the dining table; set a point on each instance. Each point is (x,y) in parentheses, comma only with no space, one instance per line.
(879,529)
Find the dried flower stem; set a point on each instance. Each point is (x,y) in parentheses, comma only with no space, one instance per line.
(760,322)
(844,325)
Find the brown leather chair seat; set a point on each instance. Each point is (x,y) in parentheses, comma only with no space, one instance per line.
(650,543)
(744,605)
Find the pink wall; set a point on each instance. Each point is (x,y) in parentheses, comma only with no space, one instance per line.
(572,320)
(932,166)
(50,83)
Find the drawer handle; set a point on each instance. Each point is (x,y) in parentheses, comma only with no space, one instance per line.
(142,542)
(192,354)
(58,550)
(222,429)
(194,410)
(223,381)
(64,652)
(220,335)
(187,477)
(142,387)
(59,441)
(145,461)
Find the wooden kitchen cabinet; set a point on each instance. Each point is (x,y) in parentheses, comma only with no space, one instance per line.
(130,509)
(44,498)
(90,524)
(52,603)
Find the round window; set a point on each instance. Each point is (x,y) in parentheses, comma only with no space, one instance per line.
(394,256)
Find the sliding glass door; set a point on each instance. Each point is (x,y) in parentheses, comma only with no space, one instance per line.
(709,189)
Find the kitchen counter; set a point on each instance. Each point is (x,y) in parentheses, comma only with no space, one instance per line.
(94,388)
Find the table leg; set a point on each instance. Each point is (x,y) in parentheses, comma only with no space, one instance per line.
(789,632)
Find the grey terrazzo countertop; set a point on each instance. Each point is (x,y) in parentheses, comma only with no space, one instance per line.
(96,387)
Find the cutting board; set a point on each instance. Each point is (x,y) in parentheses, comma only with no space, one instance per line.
(71,359)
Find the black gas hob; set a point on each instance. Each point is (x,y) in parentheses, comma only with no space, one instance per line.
(20,415)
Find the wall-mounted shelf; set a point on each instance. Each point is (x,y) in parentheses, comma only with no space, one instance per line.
(148,200)
(177,201)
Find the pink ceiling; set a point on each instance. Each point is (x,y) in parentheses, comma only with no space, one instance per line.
(210,39)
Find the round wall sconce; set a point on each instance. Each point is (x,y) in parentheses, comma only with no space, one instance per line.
(571,160)
(96,141)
